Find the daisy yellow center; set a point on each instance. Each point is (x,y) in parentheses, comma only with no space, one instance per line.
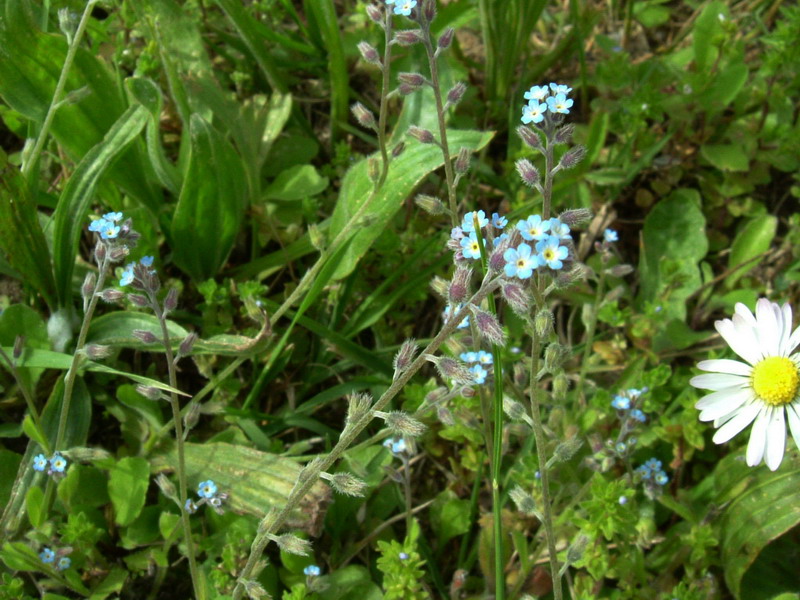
(775,380)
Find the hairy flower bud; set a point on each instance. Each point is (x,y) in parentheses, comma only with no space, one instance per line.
(459,286)
(357,406)
(577,548)
(496,261)
(566,279)
(461,164)
(137,300)
(544,323)
(100,250)
(398,149)
(111,295)
(117,253)
(405,89)
(575,216)
(254,590)
(402,423)
(514,410)
(430,204)
(149,392)
(413,79)
(564,134)
(560,387)
(191,417)
(524,501)
(167,487)
(456,93)
(97,351)
(530,137)
(445,416)
(620,270)
(369,53)
(565,451)
(345,483)
(185,349)
(554,356)
(572,157)
(489,327)
(171,301)
(440,286)
(446,38)
(423,136)
(87,289)
(405,356)
(375,14)
(408,37)
(517,298)
(291,544)
(145,336)
(316,236)
(363,115)
(527,172)
(450,368)
(429,9)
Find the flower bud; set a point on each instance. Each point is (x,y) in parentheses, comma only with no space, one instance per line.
(544,323)
(145,336)
(423,136)
(149,392)
(398,149)
(167,487)
(100,250)
(459,286)
(524,501)
(565,451)
(413,79)
(83,454)
(554,356)
(468,391)
(560,387)
(530,137)
(566,279)
(564,134)
(346,483)
(405,89)
(577,548)
(620,270)
(440,286)
(496,261)
(450,368)
(517,298)
(191,417)
(118,253)
(291,544)
(514,410)
(185,349)
(254,590)
(572,157)
(369,53)
(316,236)
(19,346)
(430,204)
(527,172)
(402,423)
(462,161)
(97,351)
(87,289)
(363,115)
(111,295)
(405,356)
(408,37)
(575,216)
(489,327)
(446,38)
(357,406)
(375,14)
(445,416)
(429,9)
(456,93)
(137,300)
(171,301)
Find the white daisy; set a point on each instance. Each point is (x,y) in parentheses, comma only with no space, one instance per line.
(764,391)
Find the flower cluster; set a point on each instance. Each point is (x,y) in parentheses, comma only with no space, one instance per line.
(48,556)
(543,99)
(396,445)
(131,273)
(480,361)
(402,7)
(651,471)
(207,490)
(107,226)
(548,239)
(55,465)
(624,403)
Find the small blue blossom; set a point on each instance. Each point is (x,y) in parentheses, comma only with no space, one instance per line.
(58,463)
(47,555)
(533,113)
(559,229)
(114,217)
(98,225)
(470,247)
(519,262)
(469,357)
(621,402)
(312,571)
(499,238)
(63,563)
(638,415)
(449,311)
(468,224)
(537,93)
(485,358)
(653,464)
(661,478)
(110,231)
(127,275)
(190,506)
(395,445)
(498,221)
(405,7)
(644,471)
(403,556)
(147,261)
(559,104)
(39,462)
(560,88)
(623,500)
(207,489)
(551,253)
(634,393)
(609,236)
(479,374)
(456,233)
(620,447)
(533,228)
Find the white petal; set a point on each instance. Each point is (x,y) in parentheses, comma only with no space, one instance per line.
(786,329)
(724,365)
(793,415)
(758,438)
(719,404)
(741,309)
(768,333)
(776,439)
(744,344)
(742,419)
(718,381)
(794,341)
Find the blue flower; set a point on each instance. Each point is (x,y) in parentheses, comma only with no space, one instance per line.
(519,262)
(312,571)
(456,233)
(653,464)
(403,556)
(190,506)
(644,471)
(109,231)
(621,447)
(395,445)
(404,8)
(533,228)
(623,500)
(63,563)
(47,555)
(470,247)
(609,235)
(98,225)
(638,415)
(498,221)
(469,357)
(534,113)
(499,238)
(634,393)
(559,104)
(39,462)
(551,253)
(147,261)
(114,217)
(537,93)
(560,88)
(559,229)
(661,478)
(621,403)
(485,358)
(479,373)
(58,463)
(449,311)
(127,275)
(207,489)
(468,224)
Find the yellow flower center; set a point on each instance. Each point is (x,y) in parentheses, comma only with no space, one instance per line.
(775,380)
(549,254)
(520,263)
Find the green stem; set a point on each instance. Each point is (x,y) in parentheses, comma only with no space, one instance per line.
(25,394)
(199,590)
(273,521)
(31,164)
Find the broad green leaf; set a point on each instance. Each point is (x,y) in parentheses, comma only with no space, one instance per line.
(211,205)
(256,481)
(726,85)
(111,584)
(69,219)
(296,183)
(674,242)
(84,486)
(450,517)
(34,504)
(34,434)
(127,488)
(706,29)
(761,506)
(9,464)
(726,157)
(405,173)
(753,239)
(20,557)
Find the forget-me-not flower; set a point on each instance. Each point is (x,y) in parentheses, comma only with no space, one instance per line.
(47,555)
(661,478)
(207,489)
(499,238)
(468,224)
(190,506)
(551,253)
(519,262)
(559,229)
(485,358)
(638,415)
(609,235)
(98,225)
(395,445)
(621,403)
(470,247)
(469,357)
(449,311)
(498,221)
(147,261)
(559,104)
(479,373)
(114,217)
(63,563)
(312,571)
(127,275)
(560,88)
(533,113)
(537,93)
(405,7)
(58,463)
(533,228)
(39,462)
